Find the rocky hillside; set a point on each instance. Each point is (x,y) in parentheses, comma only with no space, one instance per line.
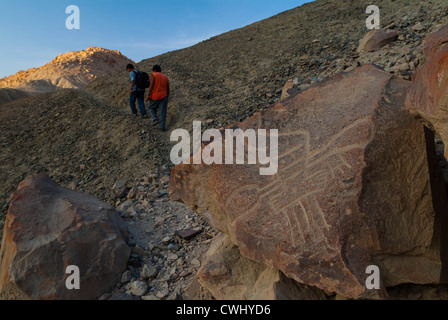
(72,70)
(230,77)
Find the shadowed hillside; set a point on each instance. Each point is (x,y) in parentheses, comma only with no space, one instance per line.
(70,70)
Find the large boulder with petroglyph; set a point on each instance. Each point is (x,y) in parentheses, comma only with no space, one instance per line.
(49,228)
(428,94)
(354,188)
(375,39)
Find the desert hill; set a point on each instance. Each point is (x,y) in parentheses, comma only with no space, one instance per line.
(72,70)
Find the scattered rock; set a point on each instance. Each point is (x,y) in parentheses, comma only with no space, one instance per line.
(172,257)
(105,296)
(427,97)
(195,262)
(162,294)
(166,240)
(120,184)
(418,27)
(188,233)
(126,277)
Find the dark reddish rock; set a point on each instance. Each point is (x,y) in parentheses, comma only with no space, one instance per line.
(353,189)
(48,228)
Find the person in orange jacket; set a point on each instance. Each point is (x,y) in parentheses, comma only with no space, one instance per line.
(159,91)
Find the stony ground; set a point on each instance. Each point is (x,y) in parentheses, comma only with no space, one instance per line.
(88,141)
(167,241)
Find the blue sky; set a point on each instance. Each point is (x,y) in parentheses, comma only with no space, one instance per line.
(33,32)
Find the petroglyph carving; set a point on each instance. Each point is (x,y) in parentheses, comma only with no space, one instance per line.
(303,174)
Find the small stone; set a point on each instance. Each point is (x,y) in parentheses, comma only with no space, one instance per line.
(188,234)
(73,185)
(159,221)
(138,251)
(120,192)
(418,27)
(184,274)
(166,240)
(180,262)
(296,81)
(151,246)
(150,297)
(126,277)
(173,257)
(132,193)
(138,288)
(174,296)
(148,272)
(402,67)
(195,262)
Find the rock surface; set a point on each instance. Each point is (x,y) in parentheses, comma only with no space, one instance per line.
(428,95)
(353,188)
(49,228)
(230,276)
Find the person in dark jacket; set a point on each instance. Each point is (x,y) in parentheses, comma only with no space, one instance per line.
(136,93)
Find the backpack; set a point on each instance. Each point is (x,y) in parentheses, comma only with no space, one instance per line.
(141,80)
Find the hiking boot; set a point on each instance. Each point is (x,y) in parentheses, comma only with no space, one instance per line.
(163,129)
(154,123)
(145,116)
